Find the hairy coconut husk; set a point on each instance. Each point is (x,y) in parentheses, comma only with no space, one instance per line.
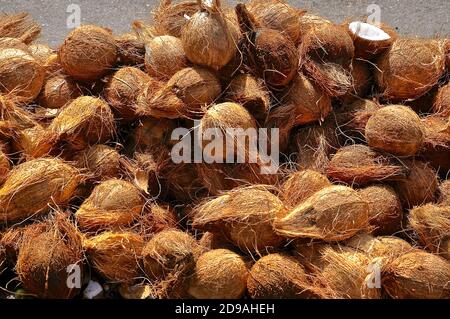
(302,185)
(80,52)
(170,18)
(441,104)
(417,275)
(335,213)
(34,142)
(444,191)
(113,204)
(309,21)
(155,219)
(251,93)
(5,166)
(53,66)
(272,56)
(49,253)
(115,256)
(219,274)
(309,254)
(13,119)
(361,82)
(153,135)
(11,240)
(420,187)
(360,165)
(20,74)
(20,26)
(14,43)
(58,91)
(385,209)
(186,94)
(182,181)
(244,216)
(41,52)
(432,224)
(33,186)
(395,129)
(86,120)
(123,90)
(410,68)
(130,49)
(102,162)
(447,50)
(210,241)
(436,148)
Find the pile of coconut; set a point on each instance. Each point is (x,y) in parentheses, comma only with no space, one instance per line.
(93,205)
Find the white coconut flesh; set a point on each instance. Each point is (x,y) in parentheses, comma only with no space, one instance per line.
(368,32)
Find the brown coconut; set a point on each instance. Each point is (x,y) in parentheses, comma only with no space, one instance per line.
(219,274)
(302,185)
(58,91)
(80,52)
(103,162)
(155,219)
(34,142)
(86,120)
(395,129)
(360,165)
(436,148)
(20,26)
(417,275)
(113,204)
(410,68)
(182,180)
(130,49)
(361,82)
(444,191)
(335,213)
(310,253)
(153,135)
(13,43)
(115,255)
(48,253)
(42,182)
(5,166)
(13,118)
(420,187)
(210,241)
(309,21)
(432,224)
(41,52)
(244,216)
(20,74)
(170,18)
(11,240)
(441,103)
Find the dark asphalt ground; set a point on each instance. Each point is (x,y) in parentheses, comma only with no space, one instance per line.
(411,17)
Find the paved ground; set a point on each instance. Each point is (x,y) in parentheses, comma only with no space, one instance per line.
(411,17)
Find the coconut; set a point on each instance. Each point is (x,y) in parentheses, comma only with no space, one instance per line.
(185,95)
(49,254)
(52,65)
(441,104)
(5,166)
(210,241)
(309,254)
(80,52)
(420,187)
(447,50)
(182,180)
(123,90)
(417,275)
(170,18)
(58,91)
(410,68)
(361,82)
(152,135)
(302,185)
(41,52)
(244,216)
(385,209)
(444,190)
(102,162)
(395,129)
(13,43)
(42,182)
(34,142)
(219,274)
(130,49)
(432,224)
(155,219)
(113,204)
(114,255)
(20,26)
(385,247)
(272,56)
(436,148)
(251,93)
(335,213)
(136,292)
(360,165)
(11,240)
(309,21)
(20,74)
(13,119)
(86,120)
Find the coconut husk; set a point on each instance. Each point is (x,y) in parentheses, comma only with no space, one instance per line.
(41,52)
(219,274)
(86,121)
(333,214)
(13,119)
(410,68)
(301,185)
(34,142)
(80,51)
(14,43)
(32,187)
(113,204)
(309,254)
(58,91)
(420,187)
(244,216)
(210,241)
(20,26)
(360,165)
(436,148)
(48,252)
(130,49)
(417,275)
(136,292)
(53,66)
(361,82)
(441,104)
(170,18)
(155,219)
(101,161)
(183,181)
(5,166)
(309,21)
(447,50)
(432,224)
(395,129)
(11,240)
(116,256)
(153,135)
(444,191)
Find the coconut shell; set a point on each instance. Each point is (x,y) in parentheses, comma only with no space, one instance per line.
(58,91)
(395,129)
(441,104)
(219,274)
(115,256)
(48,252)
(361,82)
(42,182)
(360,165)
(410,68)
(444,190)
(113,204)
(417,275)
(335,213)
(420,187)
(170,18)
(34,142)
(302,185)
(20,26)
(130,49)
(5,166)
(102,162)
(436,148)
(244,216)
(86,120)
